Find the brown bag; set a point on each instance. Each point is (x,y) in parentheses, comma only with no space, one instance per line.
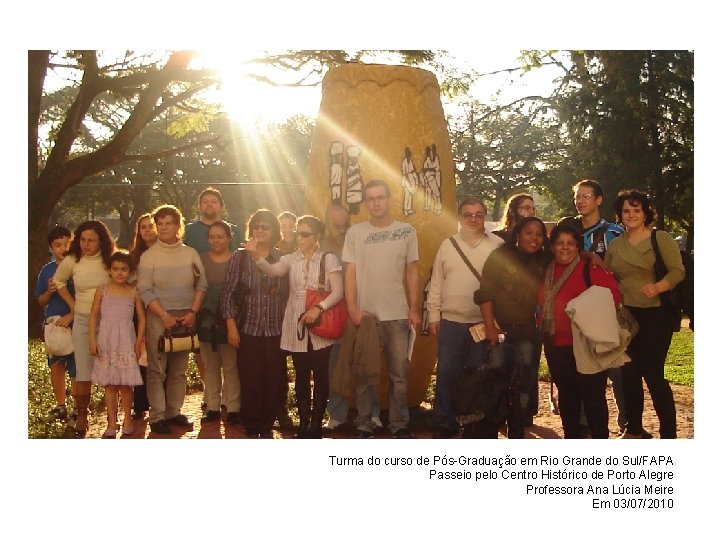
(178,339)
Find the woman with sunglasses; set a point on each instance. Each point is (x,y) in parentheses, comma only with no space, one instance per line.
(253,304)
(310,353)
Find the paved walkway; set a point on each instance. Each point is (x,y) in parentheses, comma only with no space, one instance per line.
(546,425)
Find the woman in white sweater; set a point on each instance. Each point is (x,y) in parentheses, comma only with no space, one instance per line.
(172,285)
(87,264)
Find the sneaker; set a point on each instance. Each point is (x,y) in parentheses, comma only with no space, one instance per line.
(210,416)
(403,433)
(181,420)
(376,420)
(161,427)
(333,424)
(363,434)
(58,413)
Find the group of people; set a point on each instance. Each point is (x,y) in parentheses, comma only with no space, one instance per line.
(520,289)
(244,292)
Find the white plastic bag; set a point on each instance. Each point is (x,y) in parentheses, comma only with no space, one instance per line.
(58,339)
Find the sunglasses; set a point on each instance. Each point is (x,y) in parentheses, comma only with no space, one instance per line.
(261,227)
(305,234)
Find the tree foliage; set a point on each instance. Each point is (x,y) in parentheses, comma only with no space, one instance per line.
(106,123)
(501,150)
(628,118)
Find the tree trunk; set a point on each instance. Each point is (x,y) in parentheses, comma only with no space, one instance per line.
(652,117)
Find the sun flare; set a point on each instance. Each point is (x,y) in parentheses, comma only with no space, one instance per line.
(254,104)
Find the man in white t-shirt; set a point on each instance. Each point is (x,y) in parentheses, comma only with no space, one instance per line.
(381,257)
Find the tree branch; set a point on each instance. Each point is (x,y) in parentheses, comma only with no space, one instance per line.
(171,151)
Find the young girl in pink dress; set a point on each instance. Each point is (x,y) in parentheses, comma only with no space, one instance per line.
(114,343)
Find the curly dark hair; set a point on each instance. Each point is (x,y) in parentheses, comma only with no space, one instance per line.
(569,229)
(263,215)
(107,244)
(520,225)
(634,198)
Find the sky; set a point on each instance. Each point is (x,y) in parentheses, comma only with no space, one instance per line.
(261,103)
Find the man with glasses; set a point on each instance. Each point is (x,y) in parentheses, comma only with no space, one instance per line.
(381,258)
(597,235)
(451,309)
(337,223)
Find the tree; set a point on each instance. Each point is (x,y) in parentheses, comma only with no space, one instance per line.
(88,140)
(500,150)
(628,118)
(153,84)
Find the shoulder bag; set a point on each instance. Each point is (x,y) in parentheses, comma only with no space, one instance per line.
(331,321)
(670,299)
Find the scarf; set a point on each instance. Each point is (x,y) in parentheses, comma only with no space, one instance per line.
(551,289)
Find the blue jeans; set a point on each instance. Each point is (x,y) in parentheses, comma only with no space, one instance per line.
(525,341)
(456,351)
(394,336)
(337,404)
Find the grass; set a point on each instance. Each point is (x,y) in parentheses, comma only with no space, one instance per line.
(679,369)
(680,364)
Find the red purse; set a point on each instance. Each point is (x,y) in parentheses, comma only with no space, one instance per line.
(331,321)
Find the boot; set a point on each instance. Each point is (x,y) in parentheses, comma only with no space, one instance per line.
(316,421)
(304,414)
(82,403)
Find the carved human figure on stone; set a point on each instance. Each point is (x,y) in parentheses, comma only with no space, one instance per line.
(410,181)
(431,180)
(336,150)
(354,180)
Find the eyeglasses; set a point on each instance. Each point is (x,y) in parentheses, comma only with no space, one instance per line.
(379,198)
(476,215)
(305,234)
(586,197)
(261,227)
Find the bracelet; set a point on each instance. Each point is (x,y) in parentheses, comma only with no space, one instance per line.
(319,307)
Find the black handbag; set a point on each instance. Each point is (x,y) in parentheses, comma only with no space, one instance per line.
(179,339)
(211,328)
(670,299)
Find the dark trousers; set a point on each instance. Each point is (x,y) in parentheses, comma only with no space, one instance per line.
(576,390)
(647,352)
(140,399)
(282,406)
(260,367)
(313,364)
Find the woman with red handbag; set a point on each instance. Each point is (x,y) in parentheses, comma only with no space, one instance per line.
(310,352)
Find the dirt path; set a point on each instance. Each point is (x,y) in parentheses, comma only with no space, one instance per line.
(546,425)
